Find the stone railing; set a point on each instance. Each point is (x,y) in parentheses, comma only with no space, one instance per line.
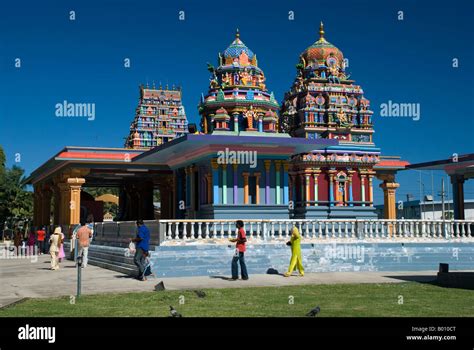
(182,230)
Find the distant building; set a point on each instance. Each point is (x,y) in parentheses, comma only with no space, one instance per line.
(160,117)
(428,210)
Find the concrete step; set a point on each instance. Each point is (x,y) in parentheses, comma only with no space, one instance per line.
(111,258)
(125,269)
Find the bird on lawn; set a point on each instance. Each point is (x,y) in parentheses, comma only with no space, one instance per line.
(200,293)
(314,312)
(174,313)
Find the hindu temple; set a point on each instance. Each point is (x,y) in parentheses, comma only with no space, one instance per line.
(311,156)
(159,118)
(325,103)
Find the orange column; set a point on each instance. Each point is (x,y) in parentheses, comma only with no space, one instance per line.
(246,187)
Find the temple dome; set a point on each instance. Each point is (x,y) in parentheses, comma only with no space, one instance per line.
(321,50)
(236,48)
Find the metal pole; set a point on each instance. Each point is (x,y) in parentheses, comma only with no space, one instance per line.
(421,198)
(442,208)
(449,209)
(442,198)
(79,269)
(432,195)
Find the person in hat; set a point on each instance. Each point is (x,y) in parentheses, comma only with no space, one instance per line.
(296,259)
(55,242)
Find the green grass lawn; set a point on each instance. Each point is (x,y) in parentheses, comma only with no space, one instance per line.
(335,300)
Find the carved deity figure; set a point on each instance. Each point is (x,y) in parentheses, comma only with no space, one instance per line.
(342,117)
(261,81)
(244,77)
(226,79)
(236,78)
(213,80)
(250,115)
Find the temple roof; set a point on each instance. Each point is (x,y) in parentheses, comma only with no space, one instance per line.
(236,48)
(321,49)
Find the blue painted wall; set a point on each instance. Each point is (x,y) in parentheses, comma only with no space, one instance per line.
(208,259)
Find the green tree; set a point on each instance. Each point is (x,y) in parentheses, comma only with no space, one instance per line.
(15,200)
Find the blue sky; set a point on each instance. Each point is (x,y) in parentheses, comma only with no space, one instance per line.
(407,61)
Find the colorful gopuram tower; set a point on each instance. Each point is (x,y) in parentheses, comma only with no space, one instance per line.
(238,99)
(324,103)
(237,167)
(159,118)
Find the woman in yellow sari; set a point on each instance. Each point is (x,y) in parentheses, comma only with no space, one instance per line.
(296,258)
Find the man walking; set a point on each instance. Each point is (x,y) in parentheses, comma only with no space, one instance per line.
(40,235)
(83,235)
(142,244)
(239,252)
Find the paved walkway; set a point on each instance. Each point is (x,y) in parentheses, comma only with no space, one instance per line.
(21,278)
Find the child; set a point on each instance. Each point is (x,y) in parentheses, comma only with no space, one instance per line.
(239,252)
(296,259)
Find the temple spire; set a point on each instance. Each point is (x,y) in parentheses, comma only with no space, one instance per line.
(237,34)
(321,30)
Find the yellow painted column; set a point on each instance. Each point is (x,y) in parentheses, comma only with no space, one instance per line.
(389,189)
(246,187)
(257,187)
(75,185)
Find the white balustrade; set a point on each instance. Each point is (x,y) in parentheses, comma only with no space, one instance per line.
(313,229)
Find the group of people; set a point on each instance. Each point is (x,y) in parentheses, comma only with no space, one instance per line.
(83,234)
(141,243)
(39,241)
(296,260)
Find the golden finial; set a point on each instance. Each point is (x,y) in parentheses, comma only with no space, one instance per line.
(321,30)
(237,34)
